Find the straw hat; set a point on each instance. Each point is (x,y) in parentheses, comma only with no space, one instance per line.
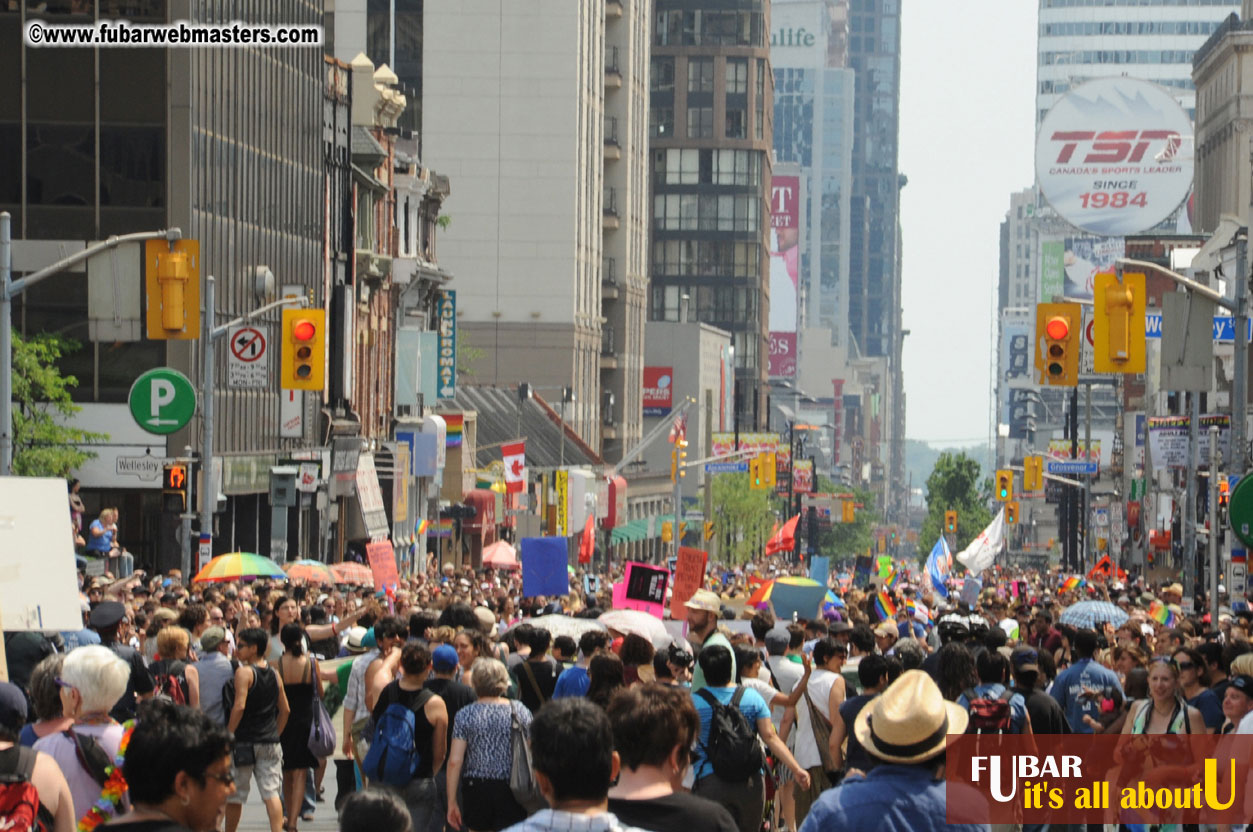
(909,722)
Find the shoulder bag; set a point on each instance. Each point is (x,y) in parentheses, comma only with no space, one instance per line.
(322,727)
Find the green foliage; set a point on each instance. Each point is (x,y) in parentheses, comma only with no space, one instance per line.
(847,540)
(443,221)
(42,446)
(955,485)
(467,357)
(743,517)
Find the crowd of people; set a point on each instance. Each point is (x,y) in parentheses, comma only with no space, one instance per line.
(171,704)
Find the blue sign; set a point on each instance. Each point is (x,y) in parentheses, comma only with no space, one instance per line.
(1076,467)
(446,310)
(726,467)
(544,566)
(1224,327)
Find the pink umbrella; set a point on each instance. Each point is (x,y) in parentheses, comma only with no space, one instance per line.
(500,555)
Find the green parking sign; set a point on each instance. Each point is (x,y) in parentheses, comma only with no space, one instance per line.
(162,400)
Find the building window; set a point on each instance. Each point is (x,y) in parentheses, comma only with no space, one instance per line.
(700,122)
(700,75)
(661,122)
(661,75)
(737,76)
(760,123)
(736,126)
(669,25)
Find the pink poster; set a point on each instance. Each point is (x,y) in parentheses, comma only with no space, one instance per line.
(643,587)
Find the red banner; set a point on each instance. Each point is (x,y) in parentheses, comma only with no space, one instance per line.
(782,354)
(658,390)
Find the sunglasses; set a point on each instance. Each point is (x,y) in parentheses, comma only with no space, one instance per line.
(1185,665)
(226,779)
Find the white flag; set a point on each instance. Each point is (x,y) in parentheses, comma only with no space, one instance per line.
(979,555)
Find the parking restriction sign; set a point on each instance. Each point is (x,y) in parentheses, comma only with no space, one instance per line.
(248,359)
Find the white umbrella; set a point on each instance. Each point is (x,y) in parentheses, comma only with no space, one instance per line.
(636,622)
(564,625)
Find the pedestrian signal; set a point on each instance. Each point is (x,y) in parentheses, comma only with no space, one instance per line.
(174,488)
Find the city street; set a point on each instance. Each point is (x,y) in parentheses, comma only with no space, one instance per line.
(324,819)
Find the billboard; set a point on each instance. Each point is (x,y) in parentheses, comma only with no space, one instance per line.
(782,354)
(784,277)
(1016,332)
(658,390)
(1069,266)
(1109,156)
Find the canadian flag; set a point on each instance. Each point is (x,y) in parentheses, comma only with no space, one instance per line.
(514,454)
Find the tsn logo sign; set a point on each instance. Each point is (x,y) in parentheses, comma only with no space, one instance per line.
(1114,146)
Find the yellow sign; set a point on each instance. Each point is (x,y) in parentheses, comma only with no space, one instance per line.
(563,503)
(400,487)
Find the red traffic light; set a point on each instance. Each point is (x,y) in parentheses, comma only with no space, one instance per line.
(303,330)
(1057,328)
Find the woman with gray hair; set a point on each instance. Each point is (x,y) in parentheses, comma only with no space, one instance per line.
(92,680)
(480,752)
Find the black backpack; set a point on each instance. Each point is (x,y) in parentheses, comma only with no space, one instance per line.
(732,750)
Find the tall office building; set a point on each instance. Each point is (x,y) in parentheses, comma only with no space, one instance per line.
(813,128)
(515,99)
(711,126)
(223,144)
(1151,39)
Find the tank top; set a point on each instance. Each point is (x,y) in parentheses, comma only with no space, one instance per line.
(260,720)
(1178,723)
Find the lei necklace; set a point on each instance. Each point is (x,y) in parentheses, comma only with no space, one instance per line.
(114,789)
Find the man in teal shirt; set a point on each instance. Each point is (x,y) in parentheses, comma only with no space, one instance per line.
(703,610)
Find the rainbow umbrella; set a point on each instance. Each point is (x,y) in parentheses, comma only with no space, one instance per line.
(236,565)
(309,571)
(832,601)
(790,594)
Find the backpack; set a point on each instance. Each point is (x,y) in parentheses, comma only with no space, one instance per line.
(20,809)
(989,716)
(732,750)
(393,756)
(168,686)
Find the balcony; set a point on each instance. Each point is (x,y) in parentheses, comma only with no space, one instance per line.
(609,286)
(612,149)
(610,208)
(613,75)
(608,358)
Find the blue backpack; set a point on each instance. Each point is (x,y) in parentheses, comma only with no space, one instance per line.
(393,757)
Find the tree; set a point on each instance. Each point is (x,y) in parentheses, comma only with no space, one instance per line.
(847,540)
(743,517)
(954,485)
(42,445)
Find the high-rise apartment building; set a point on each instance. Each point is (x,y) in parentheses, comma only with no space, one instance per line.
(1151,39)
(515,100)
(711,127)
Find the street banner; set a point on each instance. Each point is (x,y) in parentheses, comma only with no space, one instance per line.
(544,569)
(1168,438)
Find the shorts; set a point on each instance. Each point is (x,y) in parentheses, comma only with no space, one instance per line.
(268,770)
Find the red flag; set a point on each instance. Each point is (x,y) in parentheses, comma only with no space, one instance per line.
(513,455)
(588,544)
(784,539)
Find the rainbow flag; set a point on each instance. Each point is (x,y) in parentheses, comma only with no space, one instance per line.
(1160,613)
(911,607)
(455,422)
(892,578)
(422,527)
(884,606)
(1073,582)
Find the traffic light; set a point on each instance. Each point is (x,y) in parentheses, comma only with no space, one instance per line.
(172,281)
(754,473)
(848,511)
(1224,493)
(1118,323)
(678,459)
(174,488)
(709,530)
(1004,485)
(769,469)
(304,349)
(1057,343)
(667,531)
(1011,511)
(1033,474)
(950,522)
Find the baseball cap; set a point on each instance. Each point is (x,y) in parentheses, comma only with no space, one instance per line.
(704,599)
(12,707)
(211,638)
(1244,684)
(840,627)
(444,658)
(777,641)
(1025,659)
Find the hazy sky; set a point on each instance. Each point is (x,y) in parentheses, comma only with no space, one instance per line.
(966,136)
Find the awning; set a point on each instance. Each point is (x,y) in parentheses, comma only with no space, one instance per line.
(638,529)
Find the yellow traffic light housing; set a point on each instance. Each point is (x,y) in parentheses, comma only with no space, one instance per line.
(1057,336)
(950,522)
(769,469)
(709,530)
(1033,474)
(848,511)
(667,531)
(1011,511)
(304,349)
(172,281)
(681,457)
(1004,485)
(1118,323)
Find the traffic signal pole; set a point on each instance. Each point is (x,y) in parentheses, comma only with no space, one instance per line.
(208,347)
(10,288)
